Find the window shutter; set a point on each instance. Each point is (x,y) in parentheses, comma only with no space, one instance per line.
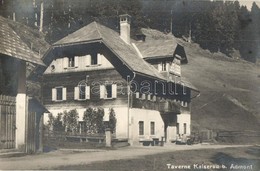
(87,91)
(154,98)
(54,94)
(65,62)
(114,90)
(76,93)
(143,96)
(102,91)
(76,62)
(167,66)
(64,93)
(137,95)
(88,60)
(99,59)
(160,67)
(148,97)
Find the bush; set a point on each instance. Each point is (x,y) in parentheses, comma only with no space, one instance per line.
(70,120)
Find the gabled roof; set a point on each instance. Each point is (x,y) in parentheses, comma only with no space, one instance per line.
(157,44)
(126,52)
(95,32)
(11,43)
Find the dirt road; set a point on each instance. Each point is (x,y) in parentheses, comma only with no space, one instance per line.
(58,158)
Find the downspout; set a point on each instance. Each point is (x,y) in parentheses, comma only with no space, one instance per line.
(128,106)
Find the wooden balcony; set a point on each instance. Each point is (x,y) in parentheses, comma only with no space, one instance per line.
(162,106)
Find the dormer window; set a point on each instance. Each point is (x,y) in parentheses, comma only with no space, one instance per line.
(94,59)
(163,66)
(71,61)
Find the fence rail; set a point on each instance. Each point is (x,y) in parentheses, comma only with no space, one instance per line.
(69,136)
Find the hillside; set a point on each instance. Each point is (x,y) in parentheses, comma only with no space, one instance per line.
(230,91)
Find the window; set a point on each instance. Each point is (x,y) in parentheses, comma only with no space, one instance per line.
(141,127)
(152,127)
(185,128)
(71,61)
(94,59)
(59,94)
(108,91)
(162,66)
(178,128)
(82,92)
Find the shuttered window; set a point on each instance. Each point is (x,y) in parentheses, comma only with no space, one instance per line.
(163,66)
(82,92)
(59,94)
(108,91)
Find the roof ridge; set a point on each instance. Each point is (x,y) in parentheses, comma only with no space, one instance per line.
(98,29)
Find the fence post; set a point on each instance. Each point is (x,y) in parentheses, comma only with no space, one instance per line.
(108,137)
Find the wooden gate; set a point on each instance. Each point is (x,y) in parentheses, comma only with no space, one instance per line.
(7,122)
(31,134)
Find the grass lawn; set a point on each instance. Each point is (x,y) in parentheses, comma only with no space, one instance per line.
(247,158)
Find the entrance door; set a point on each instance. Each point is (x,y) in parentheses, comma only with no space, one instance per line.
(7,122)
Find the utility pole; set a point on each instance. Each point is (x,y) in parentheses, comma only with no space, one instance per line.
(41,17)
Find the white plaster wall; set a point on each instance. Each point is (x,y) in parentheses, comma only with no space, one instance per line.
(181,119)
(59,68)
(146,116)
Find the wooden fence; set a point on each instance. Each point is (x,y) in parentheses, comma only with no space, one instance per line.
(7,121)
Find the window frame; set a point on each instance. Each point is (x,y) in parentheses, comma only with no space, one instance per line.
(73,62)
(57,93)
(141,128)
(152,128)
(84,94)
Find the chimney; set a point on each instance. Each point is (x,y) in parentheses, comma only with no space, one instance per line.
(125,20)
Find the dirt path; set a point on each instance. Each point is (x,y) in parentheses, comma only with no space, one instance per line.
(69,157)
